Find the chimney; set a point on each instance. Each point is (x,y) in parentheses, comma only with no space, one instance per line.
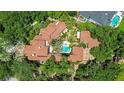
(46,43)
(78,35)
(33,54)
(57,23)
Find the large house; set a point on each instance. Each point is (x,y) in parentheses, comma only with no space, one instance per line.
(80,53)
(39,48)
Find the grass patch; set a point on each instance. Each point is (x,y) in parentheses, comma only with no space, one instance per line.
(121,26)
(85,26)
(72,37)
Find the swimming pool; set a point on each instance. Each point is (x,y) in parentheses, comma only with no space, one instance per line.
(65,48)
(115,21)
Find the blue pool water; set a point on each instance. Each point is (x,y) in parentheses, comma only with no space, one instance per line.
(65,49)
(115,21)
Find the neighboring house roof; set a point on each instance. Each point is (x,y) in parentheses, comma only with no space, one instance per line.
(100,17)
(79,54)
(86,37)
(38,50)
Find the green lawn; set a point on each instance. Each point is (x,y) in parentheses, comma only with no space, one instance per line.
(121,26)
(83,26)
(121,74)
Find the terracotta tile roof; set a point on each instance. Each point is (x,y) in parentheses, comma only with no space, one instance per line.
(36,58)
(79,54)
(83,54)
(74,58)
(37,50)
(77,51)
(38,37)
(59,28)
(86,37)
(53,31)
(37,43)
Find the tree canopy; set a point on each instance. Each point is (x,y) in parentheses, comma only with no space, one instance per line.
(98,72)
(22,70)
(108,38)
(54,71)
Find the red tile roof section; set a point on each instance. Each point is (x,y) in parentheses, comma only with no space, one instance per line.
(37,58)
(86,37)
(37,50)
(79,54)
(53,31)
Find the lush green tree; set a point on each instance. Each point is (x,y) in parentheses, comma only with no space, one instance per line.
(55,15)
(22,70)
(52,71)
(1,28)
(4,71)
(82,44)
(72,13)
(98,72)
(5,45)
(18,24)
(120,50)
(69,21)
(108,43)
(109,73)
